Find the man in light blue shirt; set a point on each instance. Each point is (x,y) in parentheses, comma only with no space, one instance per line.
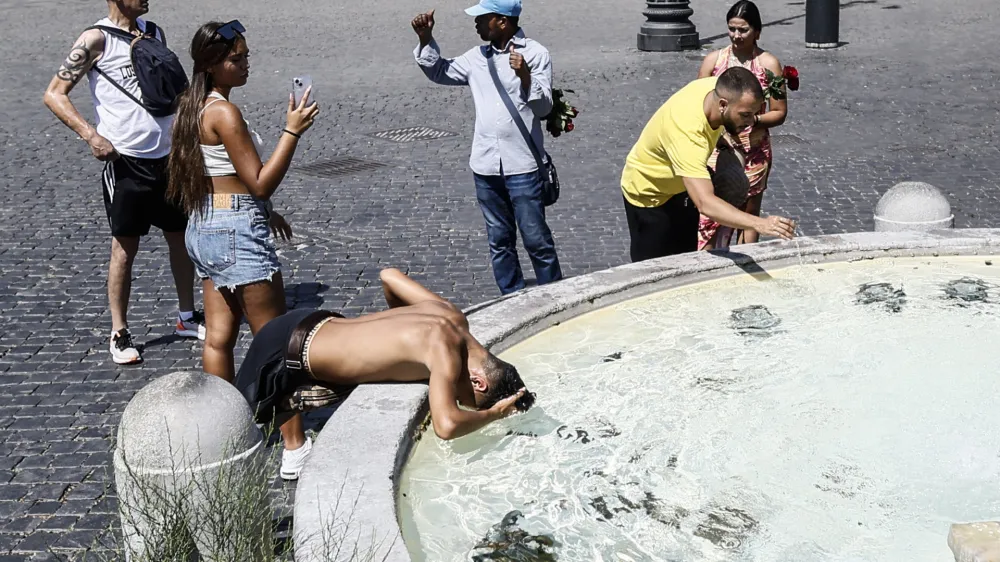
(508,181)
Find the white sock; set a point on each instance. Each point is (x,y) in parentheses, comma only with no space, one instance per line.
(185,316)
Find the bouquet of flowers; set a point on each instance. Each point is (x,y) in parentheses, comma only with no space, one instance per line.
(789,77)
(560,119)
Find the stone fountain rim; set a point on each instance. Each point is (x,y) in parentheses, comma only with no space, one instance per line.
(367,441)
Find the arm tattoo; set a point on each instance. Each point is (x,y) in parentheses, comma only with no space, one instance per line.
(76,64)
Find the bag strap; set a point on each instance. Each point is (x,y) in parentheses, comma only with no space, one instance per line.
(121,34)
(514,114)
(151,30)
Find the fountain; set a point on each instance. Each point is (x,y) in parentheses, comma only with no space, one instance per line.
(815,401)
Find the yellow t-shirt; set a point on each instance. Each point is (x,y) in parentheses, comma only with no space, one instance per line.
(676,142)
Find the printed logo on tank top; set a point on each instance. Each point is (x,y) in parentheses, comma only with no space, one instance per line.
(127,72)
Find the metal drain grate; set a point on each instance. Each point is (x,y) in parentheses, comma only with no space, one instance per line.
(337,167)
(411,134)
(789,139)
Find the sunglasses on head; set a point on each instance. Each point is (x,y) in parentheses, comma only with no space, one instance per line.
(229,30)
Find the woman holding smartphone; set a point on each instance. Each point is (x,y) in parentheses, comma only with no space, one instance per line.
(217,175)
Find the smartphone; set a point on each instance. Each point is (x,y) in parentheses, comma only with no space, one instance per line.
(299,86)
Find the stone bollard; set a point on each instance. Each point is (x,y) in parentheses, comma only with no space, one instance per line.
(191,473)
(913,206)
(975,542)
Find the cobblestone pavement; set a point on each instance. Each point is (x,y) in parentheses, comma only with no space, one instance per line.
(911,95)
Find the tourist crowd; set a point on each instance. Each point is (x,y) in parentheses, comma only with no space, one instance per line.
(178,155)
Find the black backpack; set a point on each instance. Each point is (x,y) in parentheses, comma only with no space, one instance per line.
(161,77)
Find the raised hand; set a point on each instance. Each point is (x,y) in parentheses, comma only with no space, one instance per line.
(518,64)
(301,117)
(423,25)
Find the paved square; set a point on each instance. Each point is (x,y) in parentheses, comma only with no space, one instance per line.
(911,95)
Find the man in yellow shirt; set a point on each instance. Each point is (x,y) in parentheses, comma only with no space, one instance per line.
(666,181)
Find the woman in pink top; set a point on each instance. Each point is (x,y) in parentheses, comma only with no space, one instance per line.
(744,32)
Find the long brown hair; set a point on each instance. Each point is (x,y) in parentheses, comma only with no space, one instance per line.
(188,184)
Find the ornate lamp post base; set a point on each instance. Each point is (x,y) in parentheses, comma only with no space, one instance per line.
(667,26)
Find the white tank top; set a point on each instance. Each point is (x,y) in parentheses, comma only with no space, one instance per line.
(217,160)
(129,127)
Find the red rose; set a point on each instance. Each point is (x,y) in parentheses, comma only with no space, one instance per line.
(569,126)
(791,76)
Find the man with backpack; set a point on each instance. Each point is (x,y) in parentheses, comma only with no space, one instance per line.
(134,82)
(511,82)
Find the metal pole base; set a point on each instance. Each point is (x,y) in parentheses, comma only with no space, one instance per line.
(667,27)
(822,45)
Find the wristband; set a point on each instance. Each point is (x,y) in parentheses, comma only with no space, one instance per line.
(298,136)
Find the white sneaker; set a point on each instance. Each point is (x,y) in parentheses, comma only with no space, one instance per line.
(193,328)
(123,351)
(292,461)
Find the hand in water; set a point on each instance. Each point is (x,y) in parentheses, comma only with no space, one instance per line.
(778,226)
(507,406)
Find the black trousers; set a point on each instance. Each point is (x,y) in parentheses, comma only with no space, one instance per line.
(671,228)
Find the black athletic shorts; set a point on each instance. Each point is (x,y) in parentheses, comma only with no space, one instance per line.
(671,228)
(263,379)
(135,197)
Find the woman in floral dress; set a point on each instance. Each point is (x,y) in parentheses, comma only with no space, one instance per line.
(744,32)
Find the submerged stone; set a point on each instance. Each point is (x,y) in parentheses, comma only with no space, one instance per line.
(754,319)
(507,542)
(882,294)
(967,289)
(613,357)
(726,527)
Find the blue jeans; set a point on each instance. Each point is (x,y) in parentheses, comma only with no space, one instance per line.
(517,200)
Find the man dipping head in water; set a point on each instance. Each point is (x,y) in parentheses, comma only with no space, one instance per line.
(422,337)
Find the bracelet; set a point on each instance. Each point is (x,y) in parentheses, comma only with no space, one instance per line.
(291,133)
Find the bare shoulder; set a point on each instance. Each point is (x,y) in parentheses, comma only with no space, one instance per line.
(770,62)
(221,113)
(708,64)
(93,38)
(712,57)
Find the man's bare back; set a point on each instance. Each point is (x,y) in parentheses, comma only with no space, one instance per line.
(421,337)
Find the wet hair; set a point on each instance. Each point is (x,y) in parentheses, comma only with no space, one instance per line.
(188,184)
(737,82)
(746,11)
(504,381)
(729,178)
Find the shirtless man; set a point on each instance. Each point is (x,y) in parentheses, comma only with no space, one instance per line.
(422,337)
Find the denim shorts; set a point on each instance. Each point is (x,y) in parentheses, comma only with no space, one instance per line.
(230,241)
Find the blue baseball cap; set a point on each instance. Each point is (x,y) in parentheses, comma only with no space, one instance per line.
(510,8)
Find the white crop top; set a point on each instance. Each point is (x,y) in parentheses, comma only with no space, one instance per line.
(217,160)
